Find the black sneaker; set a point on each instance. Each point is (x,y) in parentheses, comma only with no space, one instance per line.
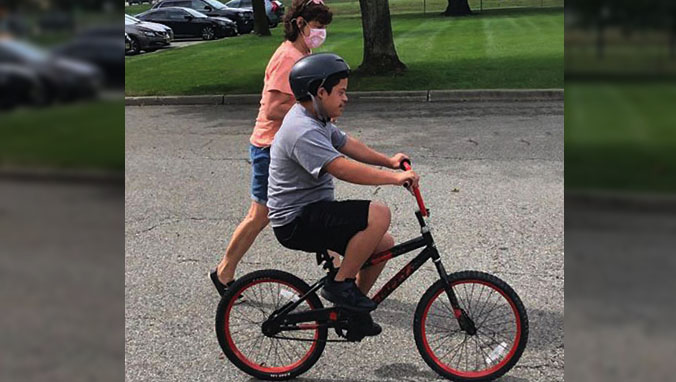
(220,287)
(346,295)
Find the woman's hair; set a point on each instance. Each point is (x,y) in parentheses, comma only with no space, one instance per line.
(309,11)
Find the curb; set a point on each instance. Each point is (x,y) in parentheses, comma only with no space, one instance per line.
(62,175)
(643,202)
(478,95)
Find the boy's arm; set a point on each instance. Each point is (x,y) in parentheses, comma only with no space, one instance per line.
(358,151)
(355,172)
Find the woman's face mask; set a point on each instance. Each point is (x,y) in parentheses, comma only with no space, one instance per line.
(315,38)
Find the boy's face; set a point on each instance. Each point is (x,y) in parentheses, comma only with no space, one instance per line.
(334,103)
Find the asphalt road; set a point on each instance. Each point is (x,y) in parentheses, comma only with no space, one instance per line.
(61,285)
(187,179)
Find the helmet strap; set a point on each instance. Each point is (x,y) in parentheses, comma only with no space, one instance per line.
(319,109)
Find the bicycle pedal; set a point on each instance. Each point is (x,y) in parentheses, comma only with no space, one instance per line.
(354,336)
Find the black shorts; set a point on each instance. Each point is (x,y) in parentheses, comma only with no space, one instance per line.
(325,225)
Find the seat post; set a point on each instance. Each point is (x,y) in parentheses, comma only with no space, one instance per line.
(325,260)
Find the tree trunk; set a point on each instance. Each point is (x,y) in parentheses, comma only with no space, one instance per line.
(380,56)
(457,8)
(261,26)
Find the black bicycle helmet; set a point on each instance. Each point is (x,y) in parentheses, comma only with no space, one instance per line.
(312,69)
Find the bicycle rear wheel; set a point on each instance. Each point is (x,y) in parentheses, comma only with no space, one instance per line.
(239,326)
(499,318)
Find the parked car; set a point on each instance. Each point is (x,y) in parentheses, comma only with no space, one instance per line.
(62,79)
(274,9)
(132,2)
(103,52)
(186,22)
(154,26)
(19,86)
(242,16)
(146,36)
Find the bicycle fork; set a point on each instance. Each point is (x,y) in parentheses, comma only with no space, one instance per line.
(464,321)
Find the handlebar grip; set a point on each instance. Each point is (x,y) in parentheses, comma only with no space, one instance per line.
(405,164)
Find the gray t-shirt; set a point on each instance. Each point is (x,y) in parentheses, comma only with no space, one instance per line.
(301,148)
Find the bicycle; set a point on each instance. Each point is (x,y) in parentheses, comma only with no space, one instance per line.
(272,325)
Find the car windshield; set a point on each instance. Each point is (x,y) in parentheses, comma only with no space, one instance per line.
(215,4)
(130,20)
(194,13)
(23,50)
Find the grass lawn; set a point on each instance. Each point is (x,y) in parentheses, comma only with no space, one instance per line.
(351,7)
(88,135)
(620,136)
(506,48)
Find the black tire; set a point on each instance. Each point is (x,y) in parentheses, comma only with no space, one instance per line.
(135,46)
(501,303)
(208,33)
(246,314)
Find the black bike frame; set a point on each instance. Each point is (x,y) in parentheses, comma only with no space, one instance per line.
(430,252)
(329,314)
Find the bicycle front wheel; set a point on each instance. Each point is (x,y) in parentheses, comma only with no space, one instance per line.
(248,303)
(498,316)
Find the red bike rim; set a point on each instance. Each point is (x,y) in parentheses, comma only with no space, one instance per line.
(242,357)
(472,374)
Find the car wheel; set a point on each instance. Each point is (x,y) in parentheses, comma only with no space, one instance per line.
(208,33)
(135,46)
(38,96)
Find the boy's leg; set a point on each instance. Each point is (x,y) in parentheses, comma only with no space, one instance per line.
(367,277)
(363,244)
(242,239)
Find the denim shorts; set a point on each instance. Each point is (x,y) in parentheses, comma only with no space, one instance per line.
(260,164)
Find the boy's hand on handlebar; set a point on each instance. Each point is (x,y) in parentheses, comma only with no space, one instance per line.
(409,178)
(395,161)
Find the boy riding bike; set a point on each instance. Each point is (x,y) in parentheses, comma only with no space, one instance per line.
(307,153)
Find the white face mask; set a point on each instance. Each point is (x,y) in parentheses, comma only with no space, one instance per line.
(316,38)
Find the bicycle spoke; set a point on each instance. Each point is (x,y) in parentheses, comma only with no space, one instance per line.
(455,347)
(480,294)
(446,338)
(484,304)
(283,347)
(469,301)
(466,358)
(496,334)
(488,314)
(482,351)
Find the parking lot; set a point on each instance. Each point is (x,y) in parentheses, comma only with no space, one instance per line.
(492,175)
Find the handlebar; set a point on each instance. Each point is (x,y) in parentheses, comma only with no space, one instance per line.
(406,166)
